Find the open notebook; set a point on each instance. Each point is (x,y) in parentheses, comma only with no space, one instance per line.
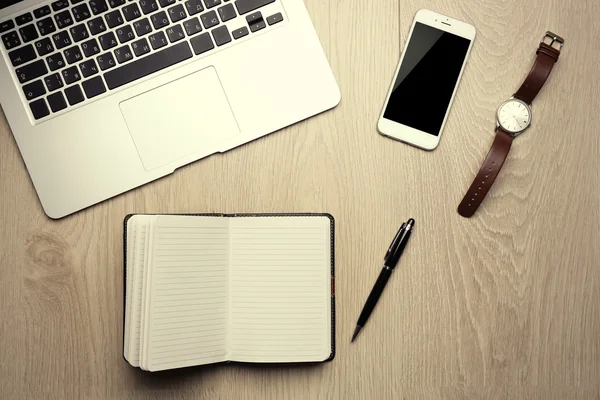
(203,289)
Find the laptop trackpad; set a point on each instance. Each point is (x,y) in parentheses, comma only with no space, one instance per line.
(180,118)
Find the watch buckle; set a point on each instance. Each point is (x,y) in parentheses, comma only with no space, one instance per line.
(554,38)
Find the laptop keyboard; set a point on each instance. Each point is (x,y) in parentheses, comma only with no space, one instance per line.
(71,51)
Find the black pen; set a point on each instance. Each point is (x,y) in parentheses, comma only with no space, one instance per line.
(390,260)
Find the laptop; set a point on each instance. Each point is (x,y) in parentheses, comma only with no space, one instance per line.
(103,96)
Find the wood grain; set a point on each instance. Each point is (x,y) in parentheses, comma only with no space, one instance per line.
(505,305)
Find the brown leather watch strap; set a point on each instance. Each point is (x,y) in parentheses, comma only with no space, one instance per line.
(547,56)
(487,174)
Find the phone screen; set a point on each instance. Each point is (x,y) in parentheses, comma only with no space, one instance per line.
(427,78)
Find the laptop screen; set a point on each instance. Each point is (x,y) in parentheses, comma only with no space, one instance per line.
(6,3)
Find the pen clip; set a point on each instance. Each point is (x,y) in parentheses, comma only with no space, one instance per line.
(394,242)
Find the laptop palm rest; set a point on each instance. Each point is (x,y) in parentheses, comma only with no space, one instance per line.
(180,118)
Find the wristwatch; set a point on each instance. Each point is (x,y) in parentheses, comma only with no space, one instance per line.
(512,118)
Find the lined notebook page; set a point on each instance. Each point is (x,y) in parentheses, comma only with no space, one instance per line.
(189,292)
(280,285)
(145,256)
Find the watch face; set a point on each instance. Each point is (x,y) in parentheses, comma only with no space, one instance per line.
(514,116)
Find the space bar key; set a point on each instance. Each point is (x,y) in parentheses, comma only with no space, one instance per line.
(147,65)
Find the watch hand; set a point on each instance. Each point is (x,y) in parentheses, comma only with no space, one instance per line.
(515,118)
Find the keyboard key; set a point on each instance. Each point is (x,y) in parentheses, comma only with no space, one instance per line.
(63,19)
(192,26)
(114,18)
(159,20)
(34,90)
(221,35)
(140,47)
(131,12)
(123,54)
(202,43)
(93,87)
(256,21)
(258,26)
(142,27)
(23,19)
(98,6)
(148,6)
(44,46)
(79,33)
(53,82)
(177,13)
(254,18)
(73,55)
(175,33)
(194,6)
(28,33)
(6,26)
(39,109)
(71,75)
(106,61)
(11,40)
(227,12)
(96,25)
(61,39)
(165,3)
(209,19)
(46,26)
(22,55)
(245,6)
(31,71)
(81,12)
(90,47)
(55,61)
(59,5)
(88,68)
(76,1)
(275,18)
(212,3)
(108,41)
(240,33)
(115,3)
(57,102)
(158,40)
(41,12)
(125,34)
(74,95)
(147,65)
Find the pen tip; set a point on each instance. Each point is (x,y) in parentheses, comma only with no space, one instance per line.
(358,328)
(411,222)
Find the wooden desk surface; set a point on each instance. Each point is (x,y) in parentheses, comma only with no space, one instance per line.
(505,305)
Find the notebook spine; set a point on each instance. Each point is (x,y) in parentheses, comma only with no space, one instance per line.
(332,232)
(127,217)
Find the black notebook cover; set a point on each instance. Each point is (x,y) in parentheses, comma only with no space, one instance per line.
(332,224)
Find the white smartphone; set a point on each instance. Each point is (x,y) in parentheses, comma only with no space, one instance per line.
(426,79)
